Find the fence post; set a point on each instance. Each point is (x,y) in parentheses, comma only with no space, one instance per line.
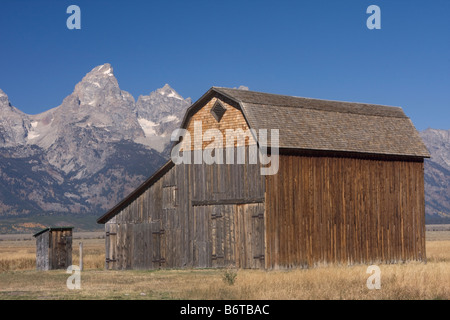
(81,256)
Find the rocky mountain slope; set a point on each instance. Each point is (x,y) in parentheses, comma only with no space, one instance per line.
(437,175)
(85,155)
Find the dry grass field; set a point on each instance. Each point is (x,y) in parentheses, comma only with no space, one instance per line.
(20,280)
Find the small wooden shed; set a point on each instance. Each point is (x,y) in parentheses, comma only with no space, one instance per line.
(54,248)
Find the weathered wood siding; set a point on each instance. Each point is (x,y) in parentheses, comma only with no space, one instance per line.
(42,247)
(150,232)
(344,210)
(172,223)
(60,249)
(233,119)
(316,209)
(190,216)
(229,235)
(54,250)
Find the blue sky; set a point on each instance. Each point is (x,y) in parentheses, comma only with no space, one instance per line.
(319,49)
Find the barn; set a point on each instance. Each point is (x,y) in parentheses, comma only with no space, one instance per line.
(345,186)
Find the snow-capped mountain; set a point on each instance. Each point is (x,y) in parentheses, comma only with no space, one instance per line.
(165,119)
(86,154)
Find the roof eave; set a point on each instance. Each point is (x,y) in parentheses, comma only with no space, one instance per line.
(135,193)
(52,229)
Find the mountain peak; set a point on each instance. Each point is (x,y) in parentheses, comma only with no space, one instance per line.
(169,92)
(167,87)
(4,100)
(13,123)
(100,85)
(3,96)
(104,69)
(5,104)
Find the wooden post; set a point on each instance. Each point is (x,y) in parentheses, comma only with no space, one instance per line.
(81,256)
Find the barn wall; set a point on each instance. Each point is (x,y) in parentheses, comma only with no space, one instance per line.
(224,197)
(162,226)
(180,221)
(331,209)
(150,232)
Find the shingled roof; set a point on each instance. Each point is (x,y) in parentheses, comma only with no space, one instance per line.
(314,124)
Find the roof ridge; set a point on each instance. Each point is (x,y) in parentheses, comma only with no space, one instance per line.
(336,111)
(309,98)
(337,101)
(269,99)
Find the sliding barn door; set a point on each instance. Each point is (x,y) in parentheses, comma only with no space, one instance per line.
(229,236)
(250,236)
(111,246)
(202,242)
(223,238)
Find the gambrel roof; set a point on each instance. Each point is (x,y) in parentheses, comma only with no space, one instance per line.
(324,125)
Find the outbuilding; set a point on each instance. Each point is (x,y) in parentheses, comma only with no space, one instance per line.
(54,248)
(333,182)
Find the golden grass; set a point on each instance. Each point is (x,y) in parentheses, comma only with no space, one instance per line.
(414,280)
(21,255)
(17,256)
(410,281)
(93,253)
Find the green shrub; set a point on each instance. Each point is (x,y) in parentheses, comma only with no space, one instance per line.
(229,276)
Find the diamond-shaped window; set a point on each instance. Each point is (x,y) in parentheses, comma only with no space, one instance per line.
(218,110)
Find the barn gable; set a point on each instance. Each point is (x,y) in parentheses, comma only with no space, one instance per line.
(231,118)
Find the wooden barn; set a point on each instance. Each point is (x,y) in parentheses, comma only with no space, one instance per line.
(349,188)
(54,248)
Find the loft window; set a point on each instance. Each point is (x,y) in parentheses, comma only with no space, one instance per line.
(169,197)
(218,110)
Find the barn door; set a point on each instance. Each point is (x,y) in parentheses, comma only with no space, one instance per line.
(229,235)
(202,245)
(222,235)
(158,232)
(111,246)
(250,235)
(63,249)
